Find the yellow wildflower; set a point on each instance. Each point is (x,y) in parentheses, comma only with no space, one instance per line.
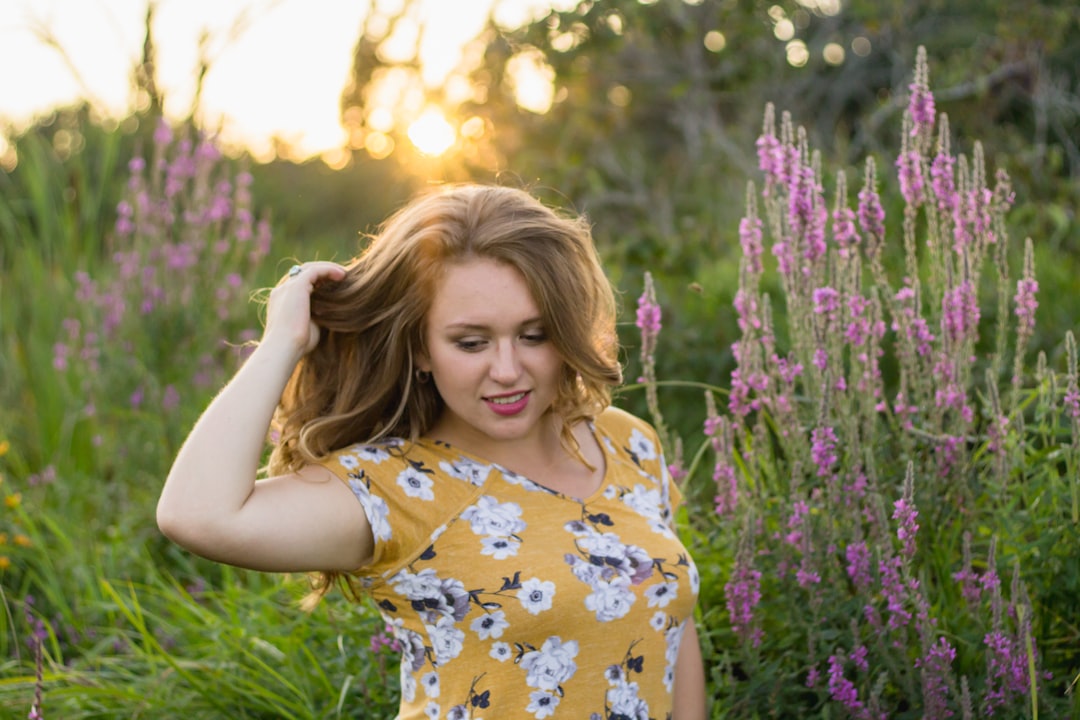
(4,447)
(13,500)
(23,541)
(5,562)
(3,538)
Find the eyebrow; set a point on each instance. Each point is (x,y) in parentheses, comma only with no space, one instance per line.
(480,326)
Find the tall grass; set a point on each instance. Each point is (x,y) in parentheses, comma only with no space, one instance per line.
(127,261)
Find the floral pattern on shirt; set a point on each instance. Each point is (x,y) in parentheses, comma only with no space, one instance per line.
(501,592)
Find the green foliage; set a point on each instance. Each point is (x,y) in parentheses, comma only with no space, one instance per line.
(865,526)
(123,307)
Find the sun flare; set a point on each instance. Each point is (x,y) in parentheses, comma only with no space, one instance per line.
(432,133)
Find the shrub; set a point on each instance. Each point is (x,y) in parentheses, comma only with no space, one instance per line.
(886,458)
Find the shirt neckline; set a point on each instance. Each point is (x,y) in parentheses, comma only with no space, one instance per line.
(440,446)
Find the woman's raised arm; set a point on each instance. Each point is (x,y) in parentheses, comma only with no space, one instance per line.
(212,504)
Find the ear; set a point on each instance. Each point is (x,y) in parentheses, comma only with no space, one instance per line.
(422,362)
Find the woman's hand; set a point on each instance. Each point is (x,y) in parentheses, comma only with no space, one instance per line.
(288,314)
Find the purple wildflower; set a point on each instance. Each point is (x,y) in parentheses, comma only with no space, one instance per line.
(905,514)
(746,310)
(960,313)
(936,667)
(1006,670)
(858,567)
(906,527)
(844,230)
(823,449)
(871,214)
(170,399)
(942,181)
(909,167)
(826,301)
(770,151)
(750,238)
(743,593)
(921,102)
(648,313)
(895,593)
(1026,304)
(1072,403)
(841,689)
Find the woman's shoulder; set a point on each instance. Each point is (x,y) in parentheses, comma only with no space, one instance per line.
(624,426)
(368,455)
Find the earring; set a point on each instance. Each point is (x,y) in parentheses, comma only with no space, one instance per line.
(422,376)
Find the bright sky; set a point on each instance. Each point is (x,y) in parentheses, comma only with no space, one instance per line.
(278,66)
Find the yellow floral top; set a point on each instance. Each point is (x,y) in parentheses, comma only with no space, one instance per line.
(510,600)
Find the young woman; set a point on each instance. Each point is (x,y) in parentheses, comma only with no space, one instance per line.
(445,444)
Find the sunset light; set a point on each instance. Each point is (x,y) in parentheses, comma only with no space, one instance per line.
(431,133)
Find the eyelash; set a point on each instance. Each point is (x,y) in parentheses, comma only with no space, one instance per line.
(534,338)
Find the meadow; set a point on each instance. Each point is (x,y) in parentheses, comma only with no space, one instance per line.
(883,492)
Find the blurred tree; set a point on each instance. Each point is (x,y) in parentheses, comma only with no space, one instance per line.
(654,106)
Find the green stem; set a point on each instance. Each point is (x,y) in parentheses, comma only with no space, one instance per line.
(677,383)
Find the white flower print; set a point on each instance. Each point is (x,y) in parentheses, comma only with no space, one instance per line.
(644,501)
(673,638)
(499,548)
(372,453)
(611,600)
(374,507)
(695,579)
(458,712)
(500,651)
(661,594)
(661,527)
(466,469)
(551,665)
(349,462)
(542,704)
(432,595)
(603,545)
(412,651)
(430,683)
(408,685)
(416,484)
(609,552)
(642,446)
(536,595)
(490,517)
(610,492)
(490,625)
(512,478)
(623,701)
(659,620)
(585,571)
(446,639)
(432,710)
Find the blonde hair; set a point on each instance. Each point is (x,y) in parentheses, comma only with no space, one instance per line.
(359,383)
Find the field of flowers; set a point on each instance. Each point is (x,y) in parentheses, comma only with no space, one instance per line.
(884,500)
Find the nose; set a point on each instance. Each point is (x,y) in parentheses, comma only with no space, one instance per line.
(505,364)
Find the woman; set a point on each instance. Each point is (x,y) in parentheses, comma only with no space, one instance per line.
(445,443)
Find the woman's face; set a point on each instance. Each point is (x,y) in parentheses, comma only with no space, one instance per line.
(489,356)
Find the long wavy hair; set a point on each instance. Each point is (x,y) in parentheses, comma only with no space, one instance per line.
(359,383)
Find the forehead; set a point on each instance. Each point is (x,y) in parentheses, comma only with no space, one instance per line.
(481,291)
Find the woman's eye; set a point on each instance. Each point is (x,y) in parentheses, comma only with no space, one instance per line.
(469,345)
(535,337)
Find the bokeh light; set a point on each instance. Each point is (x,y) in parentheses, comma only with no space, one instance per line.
(797,53)
(431,133)
(833,53)
(715,41)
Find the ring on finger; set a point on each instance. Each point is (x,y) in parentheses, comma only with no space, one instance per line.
(295,270)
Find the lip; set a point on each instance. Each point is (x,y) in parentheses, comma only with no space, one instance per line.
(507,409)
